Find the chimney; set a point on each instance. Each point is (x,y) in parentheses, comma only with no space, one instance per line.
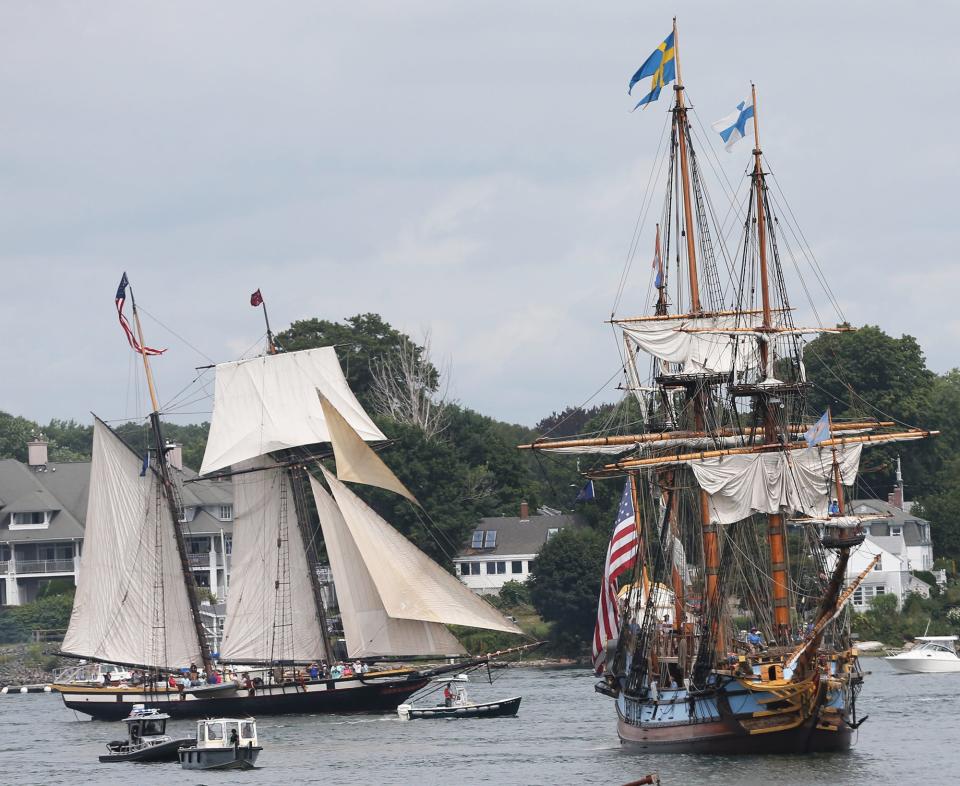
(896,498)
(524,511)
(37,451)
(174,454)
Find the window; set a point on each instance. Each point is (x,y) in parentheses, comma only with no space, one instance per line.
(530,566)
(477,542)
(496,567)
(215,731)
(858,596)
(469,568)
(880,590)
(226,513)
(516,566)
(878,566)
(475,568)
(188,515)
(490,539)
(39,519)
(501,567)
(896,531)
(246,731)
(552,531)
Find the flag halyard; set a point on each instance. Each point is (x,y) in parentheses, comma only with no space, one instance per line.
(131,338)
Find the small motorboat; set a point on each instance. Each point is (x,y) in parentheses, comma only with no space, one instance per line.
(222,744)
(932,654)
(457,704)
(147,739)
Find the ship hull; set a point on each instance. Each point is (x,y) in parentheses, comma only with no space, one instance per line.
(728,739)
(324,696)
(740,717)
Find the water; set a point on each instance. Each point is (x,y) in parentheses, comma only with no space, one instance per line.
(565,734)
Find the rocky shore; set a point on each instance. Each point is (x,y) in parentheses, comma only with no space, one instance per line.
(26,664)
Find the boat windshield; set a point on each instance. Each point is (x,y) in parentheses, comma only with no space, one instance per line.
(215,731)
(153,727)
(247,731)
(935,646)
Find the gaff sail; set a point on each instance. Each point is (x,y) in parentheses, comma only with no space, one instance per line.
(131,604)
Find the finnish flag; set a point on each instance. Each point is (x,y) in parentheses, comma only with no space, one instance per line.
(733,127)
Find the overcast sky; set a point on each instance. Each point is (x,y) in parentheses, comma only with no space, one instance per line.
(468,168)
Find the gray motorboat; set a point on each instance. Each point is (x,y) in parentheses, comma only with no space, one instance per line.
(222,744)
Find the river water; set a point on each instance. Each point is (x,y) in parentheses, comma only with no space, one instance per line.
(564,734)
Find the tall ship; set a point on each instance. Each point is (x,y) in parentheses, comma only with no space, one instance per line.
(723,624)
(275,418)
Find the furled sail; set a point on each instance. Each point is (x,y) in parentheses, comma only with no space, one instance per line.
(270,403)
(681,341)
(271,611)
(799,480)
(367,627)
(411,585)
(131,605)
(356,461)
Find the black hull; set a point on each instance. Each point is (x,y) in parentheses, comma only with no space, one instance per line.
(364,697)
(166,751)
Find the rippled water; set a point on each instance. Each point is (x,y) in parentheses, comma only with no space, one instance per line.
(565,734)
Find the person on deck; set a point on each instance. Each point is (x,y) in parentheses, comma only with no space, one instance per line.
(448,696)
(314,671)
(754,640)
(834,508)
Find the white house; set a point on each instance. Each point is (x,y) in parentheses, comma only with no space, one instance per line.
(503,548)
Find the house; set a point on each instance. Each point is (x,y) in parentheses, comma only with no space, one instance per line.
(43,513)
(903,542)
(503,548)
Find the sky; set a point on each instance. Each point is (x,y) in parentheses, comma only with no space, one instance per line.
(471,170)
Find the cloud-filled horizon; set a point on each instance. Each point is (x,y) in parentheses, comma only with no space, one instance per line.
(471,170)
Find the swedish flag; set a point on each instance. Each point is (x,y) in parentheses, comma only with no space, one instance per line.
(662,66)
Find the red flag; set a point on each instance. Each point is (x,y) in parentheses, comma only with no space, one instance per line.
(621,556)
(256,298)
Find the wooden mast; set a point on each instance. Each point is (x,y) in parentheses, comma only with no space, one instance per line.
(170,494)
(680,113)
(711,545)
(776,534)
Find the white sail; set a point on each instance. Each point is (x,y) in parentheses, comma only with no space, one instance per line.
(270,403)
(266,620)
(356,461)
(411,585)
(367,627)
(131,604)
(799,480)
(681,341)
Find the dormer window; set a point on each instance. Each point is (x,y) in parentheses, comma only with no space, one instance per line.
(477,541)
(896,532)
(490,539)
(226,513)
(188,515)
(552,531)
(36,519)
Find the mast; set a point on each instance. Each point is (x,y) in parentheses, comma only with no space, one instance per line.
(776,535)
(680,113)
(170,494)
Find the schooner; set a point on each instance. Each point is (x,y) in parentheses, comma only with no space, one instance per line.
(737,492)
(136,602)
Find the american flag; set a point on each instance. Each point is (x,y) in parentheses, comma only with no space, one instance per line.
(121,299)
(621,556)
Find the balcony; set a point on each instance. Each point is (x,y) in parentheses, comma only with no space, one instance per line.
(203,560)
(34,566)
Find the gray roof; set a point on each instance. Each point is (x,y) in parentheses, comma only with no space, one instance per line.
(908,523)
(519,536)
(62,487)
(22,491)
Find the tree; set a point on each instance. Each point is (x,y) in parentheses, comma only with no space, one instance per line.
(565,585)
(868,374)
(15,432)
(358,340)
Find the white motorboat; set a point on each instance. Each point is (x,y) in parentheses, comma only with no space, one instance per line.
(222,744)
(932,654)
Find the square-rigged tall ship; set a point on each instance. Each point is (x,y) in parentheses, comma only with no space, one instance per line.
(733,512)
(275,417)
